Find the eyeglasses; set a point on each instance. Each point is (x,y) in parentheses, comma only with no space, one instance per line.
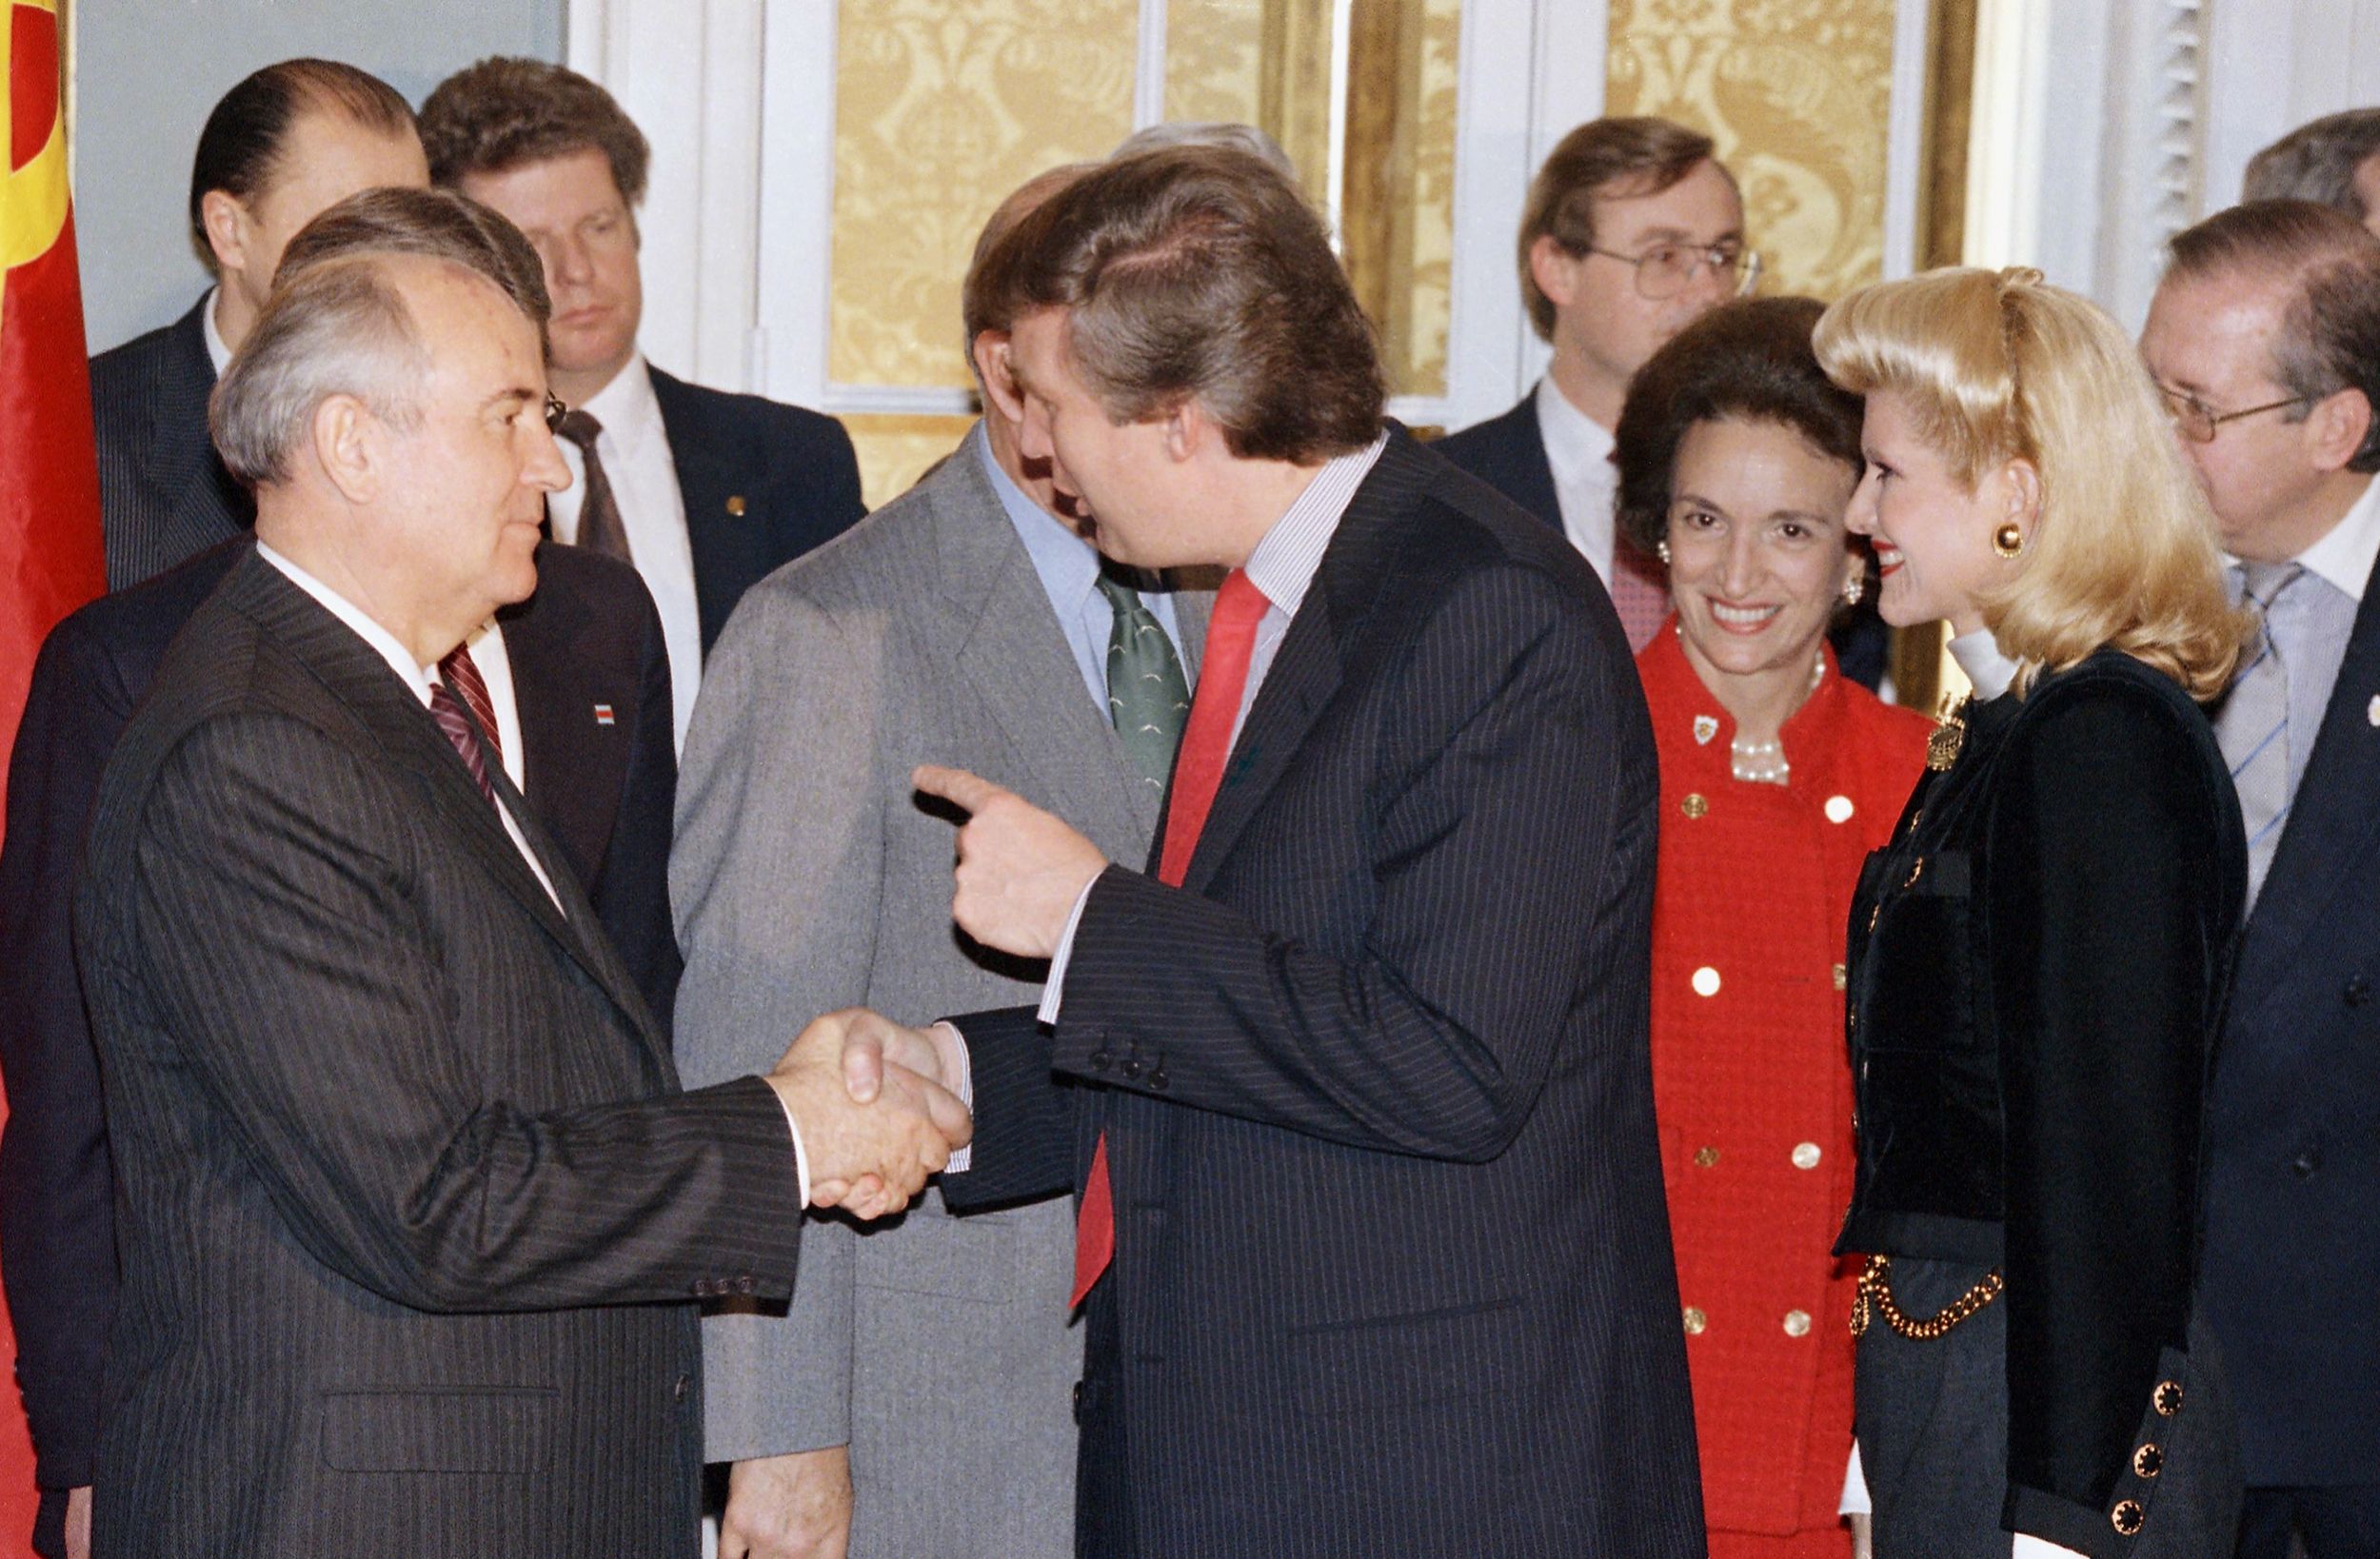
(1667,270)
(2199,421)
(555,412)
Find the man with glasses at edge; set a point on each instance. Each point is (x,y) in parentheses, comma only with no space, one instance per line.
(1633,230)
(2265,337)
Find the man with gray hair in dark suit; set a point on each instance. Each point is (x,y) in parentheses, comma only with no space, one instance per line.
(413,1213)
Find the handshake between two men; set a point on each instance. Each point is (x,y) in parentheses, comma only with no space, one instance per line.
(878,1104)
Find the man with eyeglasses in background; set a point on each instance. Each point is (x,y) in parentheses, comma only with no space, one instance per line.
(1634,229)
(2265,337)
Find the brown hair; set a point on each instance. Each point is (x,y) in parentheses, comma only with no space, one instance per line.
(337,323)
(1750,360)
(240,149)
(981,306)
(2330,335)
(2317,162)
(2001,366)
(505,111)
(1198,272)
(1638,156)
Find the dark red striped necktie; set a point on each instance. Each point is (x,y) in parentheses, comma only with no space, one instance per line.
(1239,606)
(461,673)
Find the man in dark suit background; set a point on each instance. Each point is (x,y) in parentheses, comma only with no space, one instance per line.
(286,141)
(1354,1081)
(705,492)
(2265,336)
(412,1209)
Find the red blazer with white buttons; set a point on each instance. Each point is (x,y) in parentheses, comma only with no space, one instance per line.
(1755,889)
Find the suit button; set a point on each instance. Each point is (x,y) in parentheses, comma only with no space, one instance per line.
(1697,1323)
(1158,1080)
(1806,1155)
(1706,982)
(2147,1462)
(1099,1059)
(678,1392)
(2306,1163)
(2358,992)
(1797,1323)
(2167,1398)
(1838,809)
(1132,1069)
(1705,1158)
(703,1288)
(2128,1517)
(745,1284)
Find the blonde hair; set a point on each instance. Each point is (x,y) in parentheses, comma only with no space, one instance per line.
(2000,366)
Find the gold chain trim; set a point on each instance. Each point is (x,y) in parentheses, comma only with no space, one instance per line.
(1875,1298)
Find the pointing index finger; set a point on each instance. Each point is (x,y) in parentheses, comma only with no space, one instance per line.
(970,790)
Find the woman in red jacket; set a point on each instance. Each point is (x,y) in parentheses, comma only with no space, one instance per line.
(1737,461)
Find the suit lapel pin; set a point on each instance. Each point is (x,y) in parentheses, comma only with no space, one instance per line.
(1706,726)
(735,504)
(603,715)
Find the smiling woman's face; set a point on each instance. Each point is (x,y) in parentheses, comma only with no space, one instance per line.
(1758,549)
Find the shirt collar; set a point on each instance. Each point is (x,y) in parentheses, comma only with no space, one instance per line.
(1282,566)
(383,644)
(1574,443)
(626,406)
(2345,554)
(1067,566)
(1978,655)
(217,353)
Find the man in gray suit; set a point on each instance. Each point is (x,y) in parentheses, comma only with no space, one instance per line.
(969,621)
(412,1213)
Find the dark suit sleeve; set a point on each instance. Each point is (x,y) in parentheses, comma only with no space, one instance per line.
(632,893)
(57,1222)
(2106,937)
(306,1000)
(1023,1127)
(1436,1036)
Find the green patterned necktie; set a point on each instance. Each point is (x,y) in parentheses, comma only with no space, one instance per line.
(1147,696)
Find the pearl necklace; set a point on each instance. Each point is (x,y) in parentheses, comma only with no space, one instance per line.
(1763,763)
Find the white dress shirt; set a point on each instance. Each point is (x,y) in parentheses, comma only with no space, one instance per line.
(1585,480)
(644,476)
(418,678)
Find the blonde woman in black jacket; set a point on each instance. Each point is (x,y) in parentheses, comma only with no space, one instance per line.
(2038,959)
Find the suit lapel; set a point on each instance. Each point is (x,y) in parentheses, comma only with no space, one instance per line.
(551,703)
(2333,822)
(411,742)
(1306,669)
(1533,473)
(202,505)
(705,481)
(1009,641)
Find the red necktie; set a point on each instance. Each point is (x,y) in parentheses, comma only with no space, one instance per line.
(1198,773)
(459,672)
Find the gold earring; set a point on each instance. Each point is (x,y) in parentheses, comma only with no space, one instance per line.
(2009,542)
(1660,550)
(1855,585)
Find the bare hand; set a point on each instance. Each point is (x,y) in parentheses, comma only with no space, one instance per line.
(868,1154)
(78,1523)
(1019,869)
(793,1507)
(1862,1536)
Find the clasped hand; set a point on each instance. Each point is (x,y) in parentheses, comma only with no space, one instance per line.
(874,1103)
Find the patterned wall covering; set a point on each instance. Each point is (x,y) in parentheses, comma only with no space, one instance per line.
(1796,94)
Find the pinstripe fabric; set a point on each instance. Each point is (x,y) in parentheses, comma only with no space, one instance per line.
(1392,1271)
(406,1185)
(163,495)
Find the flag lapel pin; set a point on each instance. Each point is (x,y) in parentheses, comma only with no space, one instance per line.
(603,715)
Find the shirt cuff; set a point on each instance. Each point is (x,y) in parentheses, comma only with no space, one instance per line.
(1855,1500)
(959,1065)
(2028,1547)
(801,1156)
(1054,985)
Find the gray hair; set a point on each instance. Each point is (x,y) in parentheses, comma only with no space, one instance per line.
(353,334)
(2317,162)
(1211,132)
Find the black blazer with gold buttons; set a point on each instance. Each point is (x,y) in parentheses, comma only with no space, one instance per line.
(2038,963)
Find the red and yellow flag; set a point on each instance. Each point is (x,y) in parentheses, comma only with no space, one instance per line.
(50,560)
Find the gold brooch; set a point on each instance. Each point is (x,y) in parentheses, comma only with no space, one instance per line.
(1949,732)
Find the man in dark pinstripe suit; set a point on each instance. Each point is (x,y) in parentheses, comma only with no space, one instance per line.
(414,1214)
(1353,1081)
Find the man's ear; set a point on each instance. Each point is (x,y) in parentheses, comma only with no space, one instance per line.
(2336,428)
(1189,431)
(1555,270)
(226,222)
(990,352)
(349,444)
